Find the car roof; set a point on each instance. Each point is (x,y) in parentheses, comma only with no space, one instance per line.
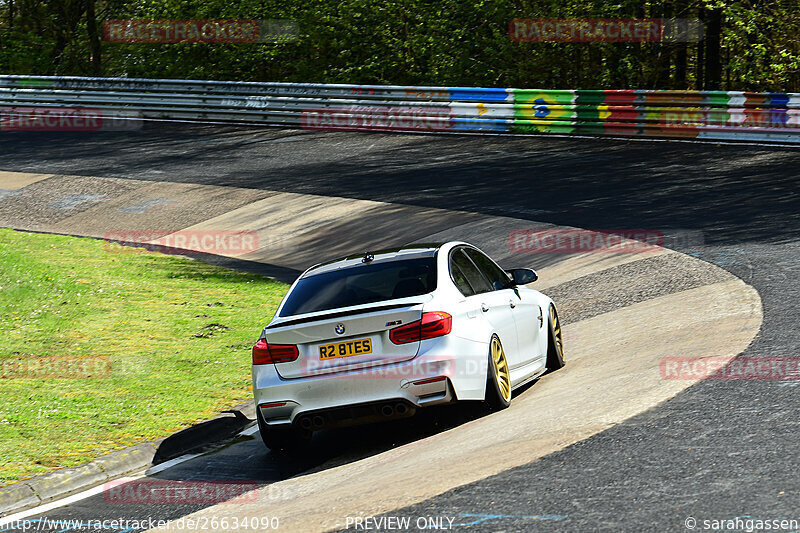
(408,251)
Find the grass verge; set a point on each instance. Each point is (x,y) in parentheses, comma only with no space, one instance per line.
(103,347)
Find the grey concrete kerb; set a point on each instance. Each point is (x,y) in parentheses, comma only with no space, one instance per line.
(65,482)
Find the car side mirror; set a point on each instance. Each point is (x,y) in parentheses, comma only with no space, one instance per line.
(523,276)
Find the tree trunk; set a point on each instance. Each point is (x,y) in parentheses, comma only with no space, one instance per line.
(94,38)
(699,72)
(664,57)
(681,50)
(713,61)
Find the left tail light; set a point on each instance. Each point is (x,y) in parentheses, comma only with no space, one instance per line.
(432,324)
(265,353)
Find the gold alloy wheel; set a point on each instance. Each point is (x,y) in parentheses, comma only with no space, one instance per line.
(501,369)
(557,332)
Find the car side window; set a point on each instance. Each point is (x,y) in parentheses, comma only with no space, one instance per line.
(471,273)
(460,279)
(496,276)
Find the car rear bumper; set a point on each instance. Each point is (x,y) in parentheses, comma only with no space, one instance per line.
(423,381)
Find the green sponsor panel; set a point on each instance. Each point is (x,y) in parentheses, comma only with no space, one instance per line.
(593,127)
(540,126)
(716,98)
(539,96)
(544,112)
(35,83)
(543,118)
(652,114)
(588,113)
(590,97)
(718,116)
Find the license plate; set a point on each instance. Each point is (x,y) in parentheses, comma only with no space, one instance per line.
(345,349)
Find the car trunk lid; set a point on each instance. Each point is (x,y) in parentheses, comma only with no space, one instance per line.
(330,342)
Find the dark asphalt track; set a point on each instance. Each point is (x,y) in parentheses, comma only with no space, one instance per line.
(719,450)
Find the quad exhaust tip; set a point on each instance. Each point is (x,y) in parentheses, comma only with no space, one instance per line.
(380,412)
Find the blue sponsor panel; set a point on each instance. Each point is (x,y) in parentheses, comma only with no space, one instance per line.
(477,94)
(777,99)
(480,124)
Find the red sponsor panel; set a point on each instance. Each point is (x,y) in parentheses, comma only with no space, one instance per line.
(150,491)
(586,30)
(619,97)
(55,367)
(756,99)
(377,118)
(662,98)
(220,242)
(623,128)
(780,368)
(767,118)
(570,241)
(622,114)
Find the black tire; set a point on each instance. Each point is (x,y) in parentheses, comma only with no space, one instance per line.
(283,439)
(555,343)
(498,378)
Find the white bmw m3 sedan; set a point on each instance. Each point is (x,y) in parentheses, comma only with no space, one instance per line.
(378,335)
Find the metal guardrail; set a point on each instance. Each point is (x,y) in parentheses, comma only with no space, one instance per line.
(723,115)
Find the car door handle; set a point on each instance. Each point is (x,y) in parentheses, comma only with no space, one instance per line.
(484,307)
(512,304)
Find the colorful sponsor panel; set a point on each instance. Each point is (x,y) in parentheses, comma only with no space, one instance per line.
(479,124)
(477,94)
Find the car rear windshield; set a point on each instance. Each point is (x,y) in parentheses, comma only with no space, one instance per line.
(362,284)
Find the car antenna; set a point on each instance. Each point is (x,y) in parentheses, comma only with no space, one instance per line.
(368,257)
